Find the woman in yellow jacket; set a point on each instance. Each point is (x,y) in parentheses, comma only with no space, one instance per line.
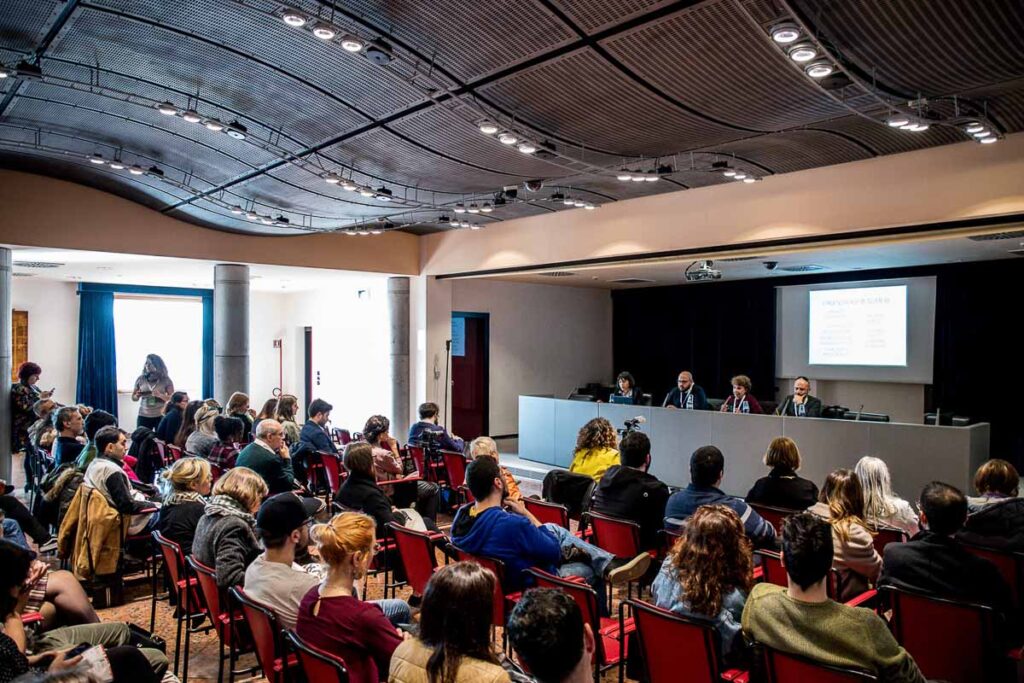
(596,449)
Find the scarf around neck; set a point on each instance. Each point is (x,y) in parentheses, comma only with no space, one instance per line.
(181,497)
(227,506)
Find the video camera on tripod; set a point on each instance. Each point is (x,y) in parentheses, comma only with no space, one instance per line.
(632,425)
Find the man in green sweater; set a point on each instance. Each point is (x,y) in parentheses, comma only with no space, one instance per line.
(268,456)
(802,620)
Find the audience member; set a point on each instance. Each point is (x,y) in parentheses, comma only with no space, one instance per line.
(184,505)
(882,507)
(596,449)
(707,469)
(42,432)
(24,395)
(708,575)
(94,422)
(287,408)
(519,540)
(204,438)
(70,426)
(229,433)
(802,620)
(55,594)
(314,431)
(628,491)
(188,423)
(625,387)
(170,423)
(686,395)
(741,400)
(454,641)
(387,465)
(429,424)
(238,406)
(547,632)
(225,537)
(274,578)
(269,457)
(331,615)
(269,410)
(15,510)
(154,388)
(485,446)
(997,514)
(106,475)
(800,403)
(782,488)
(841,503)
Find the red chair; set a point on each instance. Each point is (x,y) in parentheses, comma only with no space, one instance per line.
(266,636)
(416,550)
(783,667)
(547,512)
(455,475)
(503,601)
(215,473)
(341,436)
(228,624)
(774,572)
(175,453)
(428,471)
(669,538)
(163,452)
(675,648)
(620,537)
(884,535)
(188,606)
(1009,564)
(610,633)
(773,515)
(319,666)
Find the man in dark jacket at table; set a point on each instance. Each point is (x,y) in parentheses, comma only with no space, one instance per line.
(268,457)
(628,491)
(686,395)
(800,403)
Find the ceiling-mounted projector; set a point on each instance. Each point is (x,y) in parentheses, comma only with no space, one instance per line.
(701,271)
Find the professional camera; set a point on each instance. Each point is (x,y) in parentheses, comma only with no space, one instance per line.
(632,425)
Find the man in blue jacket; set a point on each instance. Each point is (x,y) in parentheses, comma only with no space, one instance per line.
(314,432)
(428,423)
(707,465)
(520,541)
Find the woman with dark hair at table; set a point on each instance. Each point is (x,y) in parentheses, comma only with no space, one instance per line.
(627,388)
(154,389)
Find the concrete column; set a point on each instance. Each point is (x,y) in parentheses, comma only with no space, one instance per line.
(398,310)
(5,363)
(230,330)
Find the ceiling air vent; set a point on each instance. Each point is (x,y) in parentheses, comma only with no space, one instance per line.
(631,281)
(802,269)
(558,273)
(1016,234)
(38,264)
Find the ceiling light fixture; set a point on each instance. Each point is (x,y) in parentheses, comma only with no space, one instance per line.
(909,125)
(507,138)
(739,176)
(266,220)
(975,127)
(383,194)
(982,134)
(324,32)
(237,210)
(651,176)
(785,33)
(473,208)
(527,147)
(624,176)
(637,177)
(919,127)
(589,207)
(352,43)
(486,208)
(332,178)
(214,124)
(804,52)
(167,108)
(819,69)
(293,18)
(365,192)
(460,208)
(729,172)
(252,215)
(376,231)
(579,203)
(897,120)
(192,116)
(236,130)
(474,227)
(347,184)
(4,73)
(453,222)
(464,224)
(136,170)
(487,127)
(117,164)
(97,158)
(988,140)
(750,180)
(568,201)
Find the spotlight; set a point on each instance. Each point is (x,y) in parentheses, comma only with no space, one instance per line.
(819,69)
(486,208)
(527,147)
(909,125)
(351,43)
(729,172)
(624,176)
(192,116)
(365,192)
(155,171)
(460,208)
(568,201)
(364,232)
(988,140)
(975,127)
(376,231)
(453,223)
(473,208)
(332,178)
(785,33)
(474,227)
(982,133)
(214,124)
(237,210)
(97,159)
(324,32)
(293,18)
(507,138)
(464,224)
(237,130)
(4,73)
(488,127)
(750,180)
(579,203)
(919,127)
(117,165)
(252,215)
(266,220)
(804,52)
(651,176)
(739,176)
(383,194)
(281,220)
(444,219)
(637,177)
(136,170)
(897,120)
(347,184)
(167,108)
(589,207)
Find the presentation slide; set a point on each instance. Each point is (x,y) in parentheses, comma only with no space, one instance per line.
(858,326)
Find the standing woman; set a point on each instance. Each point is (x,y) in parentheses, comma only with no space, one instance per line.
(154,388)
(24,394)
(238,406)
(287,407)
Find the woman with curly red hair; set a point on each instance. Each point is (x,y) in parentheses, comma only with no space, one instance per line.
(596,449)
(708,575)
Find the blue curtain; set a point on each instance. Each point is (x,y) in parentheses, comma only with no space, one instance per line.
(97,369)
(207,344)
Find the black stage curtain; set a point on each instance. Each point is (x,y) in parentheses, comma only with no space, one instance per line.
(724,328)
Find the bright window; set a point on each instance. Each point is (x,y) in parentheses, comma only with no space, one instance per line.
(172,328)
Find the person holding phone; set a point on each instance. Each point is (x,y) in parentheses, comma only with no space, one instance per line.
(24,394)
(154,389)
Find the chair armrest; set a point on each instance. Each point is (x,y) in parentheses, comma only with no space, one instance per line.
(1016,654)
(736,676)
(866,596)
(31,618)
(758,573)
(413,477)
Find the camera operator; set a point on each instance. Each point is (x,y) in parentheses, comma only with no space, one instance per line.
(427,432)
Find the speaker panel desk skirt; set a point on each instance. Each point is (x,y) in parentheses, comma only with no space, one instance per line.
(916,454)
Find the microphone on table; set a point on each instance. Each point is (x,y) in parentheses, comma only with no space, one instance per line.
(859,411)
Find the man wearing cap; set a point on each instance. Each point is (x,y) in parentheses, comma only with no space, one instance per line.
(274,578)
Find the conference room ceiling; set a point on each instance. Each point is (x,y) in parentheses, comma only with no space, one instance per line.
(663,89)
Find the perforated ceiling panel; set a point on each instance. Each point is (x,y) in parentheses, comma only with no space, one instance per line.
(797,150)
(594,15)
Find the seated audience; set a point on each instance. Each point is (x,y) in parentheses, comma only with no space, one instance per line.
(314,431)
(708,575)
(519,540)
(625,386)
(94,422)
(42,432)
(55,594)
(225,538)
(782,488)
(387,465)
(428,424)
(882,507)
(188,423)
(13,509)
(331,615)
(997,514)
(547,632)
(268,411)
(454,641)
(741,400)
(229,432)
(106,475)
(800,403)
(841,503)
(170,423)
(287,408)
(269,457)
(686,395)
(274,578)
(238,406)
(802,620)
(628,491)
(70,426)
(485,446)
(596,449)
(184,505)
(933,562)
(707,469)
(204,438)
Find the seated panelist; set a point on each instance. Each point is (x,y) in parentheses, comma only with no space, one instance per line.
(800,403)
(686,395)
(741,400)
(627,387)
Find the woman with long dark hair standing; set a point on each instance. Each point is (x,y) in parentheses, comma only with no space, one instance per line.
(154,388)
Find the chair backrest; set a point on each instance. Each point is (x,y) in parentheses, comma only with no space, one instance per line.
(215,473)
(496,567)
(675,648)
(669,538)
(947,639)
(774,572)
(333,469)
(210,593)
(175,452)
(1009,564)
(266,634)
(585,597)
(884,535)
(547,512)
(784,667)
(163,452)
(620,537)
(174,559)
(455,464)
(417,552)
(773,515)
(418,457)
(318,665)
(341,436)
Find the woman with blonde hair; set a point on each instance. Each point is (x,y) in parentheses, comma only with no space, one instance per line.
(287,408)
(189,482)
(882,507)
(204,438)
(782,488)
(841,503)
(708,575)
(333,618)
(238,406)
(225,536)
(596,449)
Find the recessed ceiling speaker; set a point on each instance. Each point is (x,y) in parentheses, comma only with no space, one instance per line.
(379,53)
(534,185)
